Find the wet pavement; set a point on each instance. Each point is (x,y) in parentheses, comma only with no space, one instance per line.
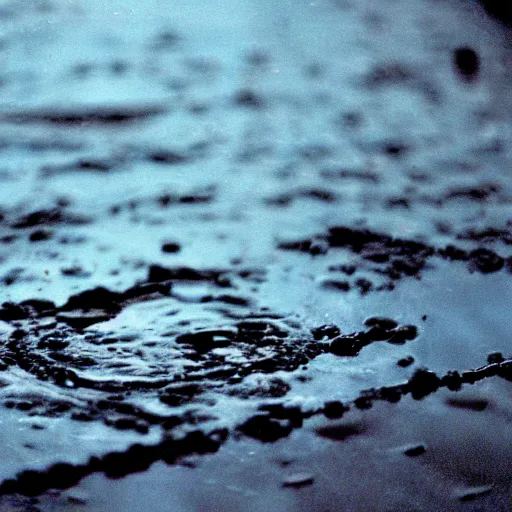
(255,256)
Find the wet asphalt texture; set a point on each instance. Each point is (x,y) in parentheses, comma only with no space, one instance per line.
(255,256)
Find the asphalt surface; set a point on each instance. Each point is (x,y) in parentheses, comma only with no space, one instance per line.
(255,256)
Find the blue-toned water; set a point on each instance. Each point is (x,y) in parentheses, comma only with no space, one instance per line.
(309,164)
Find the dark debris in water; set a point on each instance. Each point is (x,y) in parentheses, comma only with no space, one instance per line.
(115,464)
(48,218)
(467,62)
(235,356)
(83,116)
(275,422)
(393,258)
(46,351)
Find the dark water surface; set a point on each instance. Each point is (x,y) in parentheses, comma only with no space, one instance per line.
(255,256)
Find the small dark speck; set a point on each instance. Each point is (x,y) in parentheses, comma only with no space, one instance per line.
(398,202)
(495,357)
(258,58)
(171,247)
(119,67)
(415,450)
(40,235)
(352,119)
(248,98)
(395,149)
(405,362)
(467,62)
